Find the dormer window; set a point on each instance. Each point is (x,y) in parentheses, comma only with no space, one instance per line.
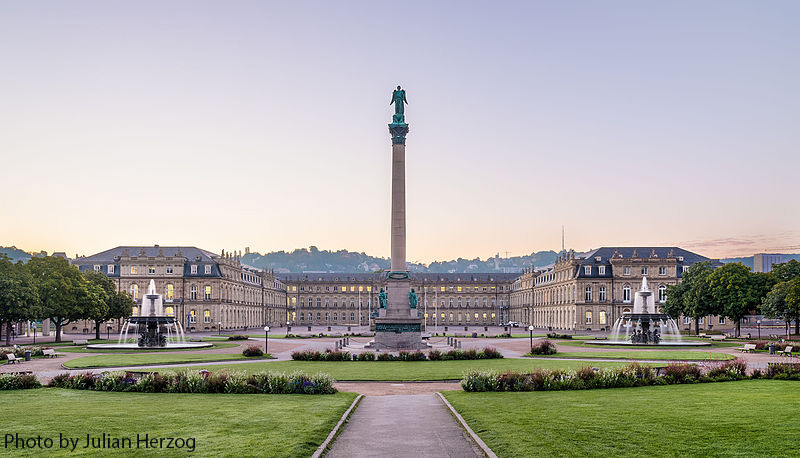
(601,270)
(587,270)
(194,269)
(97,267)
(111,268)
(207,269)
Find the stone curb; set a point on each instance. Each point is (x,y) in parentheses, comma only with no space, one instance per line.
(475,438)
(321,449)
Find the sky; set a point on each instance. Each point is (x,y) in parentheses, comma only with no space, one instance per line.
(262,124)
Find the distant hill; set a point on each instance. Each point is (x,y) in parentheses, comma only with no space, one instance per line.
(15,254)
(748,261)
(315,260)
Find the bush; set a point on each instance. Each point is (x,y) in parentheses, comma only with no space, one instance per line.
(253,350)
(411,356)
(682,372)
(238,337)
(553,335)
(735,369)
(386,357)
(489,353)
(366,356)
(337,355)
(543,347)
(783,371)
(18,382)
(434,355)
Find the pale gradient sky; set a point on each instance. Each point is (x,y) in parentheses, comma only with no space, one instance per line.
(263,124)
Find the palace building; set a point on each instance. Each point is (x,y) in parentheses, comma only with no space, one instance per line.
(589,291)
(345,299)
(203,288)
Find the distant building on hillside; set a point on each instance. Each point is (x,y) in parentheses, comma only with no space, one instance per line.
(763,262)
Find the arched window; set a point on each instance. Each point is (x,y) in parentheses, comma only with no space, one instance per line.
(135,291)
(626,293)
(135,311)
(169,311)
(170,292)
(662,293)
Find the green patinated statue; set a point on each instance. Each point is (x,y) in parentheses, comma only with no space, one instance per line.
(412,299)
(399,101)
(382,299)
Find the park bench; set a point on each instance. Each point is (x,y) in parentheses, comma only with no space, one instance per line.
(12,359)
(702,334)
(748,348)
(719,337)
(786,351)
(80,342)
(195,339)
(49,353)
(774,337)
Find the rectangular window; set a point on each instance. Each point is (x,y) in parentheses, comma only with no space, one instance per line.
(207,293)
(603,319)
(722,320)
(627,271)
(644,270)
(687,320)
(588,317)
(662,270)
(701,320)
(134,270)
(194,269)
(684,268)
(169,269)
(193,293)
(601,270)
(587,270)
(588,295)
(602,296)
(192,317)
(207,269)
(96,267)
(207,316)
(111,268)
(151,270)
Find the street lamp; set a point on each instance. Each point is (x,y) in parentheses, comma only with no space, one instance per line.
(758,322)
(34,333)
(287,329)
(219,328)
(530,328)
(266,339)
(108,332)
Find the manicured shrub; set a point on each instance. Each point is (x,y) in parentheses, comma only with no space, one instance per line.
(682,372)
(543,347)
(489,353)
(386,357)
(337,355)
(411,356)
(253,350)
(734,369)
(553,335)
(365,356)
(783,371)
(434,355)
(18,382)
(238,337)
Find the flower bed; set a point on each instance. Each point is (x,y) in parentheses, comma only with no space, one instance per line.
(432,355)
(253,350)
(592,378)
(543,347)
(199,382)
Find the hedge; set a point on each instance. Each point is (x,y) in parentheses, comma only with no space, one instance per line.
(431,355)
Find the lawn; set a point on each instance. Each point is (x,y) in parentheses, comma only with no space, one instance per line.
(221,424)
(583,343)
(747,418)
(82,349)
(408,371)
(120,360)
(668,355)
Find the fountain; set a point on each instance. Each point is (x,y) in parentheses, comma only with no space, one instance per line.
(645,325)
(157,331)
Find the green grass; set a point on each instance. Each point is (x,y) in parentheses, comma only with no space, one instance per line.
(582,343)
(747,418)
(120,360)
(222,424)
(668,355)
(82,349)
(408,371)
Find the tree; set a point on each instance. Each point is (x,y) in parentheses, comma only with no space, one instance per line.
(120,306)
(62,290)
(736,291)
(19,300)
(692,296)
(783,301)
(98,307)
(786,271)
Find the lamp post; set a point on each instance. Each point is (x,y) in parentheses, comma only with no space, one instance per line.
(34,333)
(530,328)
(266,338)
(219,328)
(108,332)
(758,322)
(287,329)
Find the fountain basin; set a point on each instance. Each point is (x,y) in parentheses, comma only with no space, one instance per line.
(135,346)
(625,343)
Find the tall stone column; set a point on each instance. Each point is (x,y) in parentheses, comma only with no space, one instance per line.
(398,197)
